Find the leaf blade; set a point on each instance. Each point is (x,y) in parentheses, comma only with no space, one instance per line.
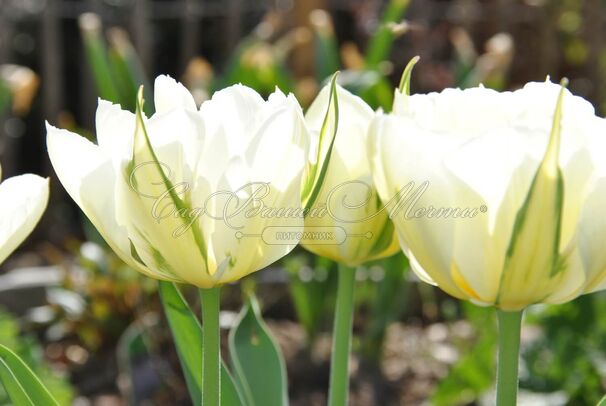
(250,345)
(20,382)
(187,333)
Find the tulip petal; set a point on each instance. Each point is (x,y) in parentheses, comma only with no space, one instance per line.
(153,231)
(532,261)
(22,201)
(410,178)
(591,235)
(88,176)
(316,170)
(236,109)
(115,129)
(170,95)
(347,190)
(400,99)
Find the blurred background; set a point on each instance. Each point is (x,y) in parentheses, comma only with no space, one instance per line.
(94,329)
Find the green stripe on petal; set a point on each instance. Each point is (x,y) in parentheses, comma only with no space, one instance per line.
(160,266)
(402,93)
(316,172)
(532,260)
(143,152)
(384,240)
(404,86)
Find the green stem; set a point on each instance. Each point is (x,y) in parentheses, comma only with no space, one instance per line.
(211,351)
(341,340)
(509,354)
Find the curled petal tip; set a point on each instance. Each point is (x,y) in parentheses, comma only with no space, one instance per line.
(404,86)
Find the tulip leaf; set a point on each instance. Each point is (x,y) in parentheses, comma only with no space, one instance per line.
(602,402)
(382,40)
(258,364)
(5,97)
(310,295)
(316,172)
(187,333)
(325,46)
(129,72)
(96,53)
(21,384)
(390,302)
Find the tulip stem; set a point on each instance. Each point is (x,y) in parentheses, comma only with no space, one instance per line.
(509,353)
(341,339)
(211,351)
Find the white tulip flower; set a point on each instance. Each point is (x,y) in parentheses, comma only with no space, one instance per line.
(350,226)
(23,199)
(496,198)
(189,195)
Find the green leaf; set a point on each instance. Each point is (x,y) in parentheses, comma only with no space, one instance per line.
(258,364)
(387,305)
(187,333)
(379,94)
(128,70)
(381,42)
(474,373)
(316,172)
(20,382)
(602,402)
(264,78)
(310,297)
(325,45)
(5,97)
(96,53)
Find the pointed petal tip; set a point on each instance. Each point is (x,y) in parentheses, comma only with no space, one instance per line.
(404,86)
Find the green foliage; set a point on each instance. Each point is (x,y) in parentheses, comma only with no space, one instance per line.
(326,48)
(571,351)
(21,384)
(474,372)
(5,98)
(259,367)
(128,71)
(109,295)
(22,369)
(311,289)
(256,64)
(117,71)
(370,85)
(96,53)
(386,304)
(382,41)
(187,333)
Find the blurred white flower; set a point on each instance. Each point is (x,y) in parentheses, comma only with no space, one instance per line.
(23,200)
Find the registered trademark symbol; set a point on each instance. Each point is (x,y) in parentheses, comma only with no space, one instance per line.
(483,208)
